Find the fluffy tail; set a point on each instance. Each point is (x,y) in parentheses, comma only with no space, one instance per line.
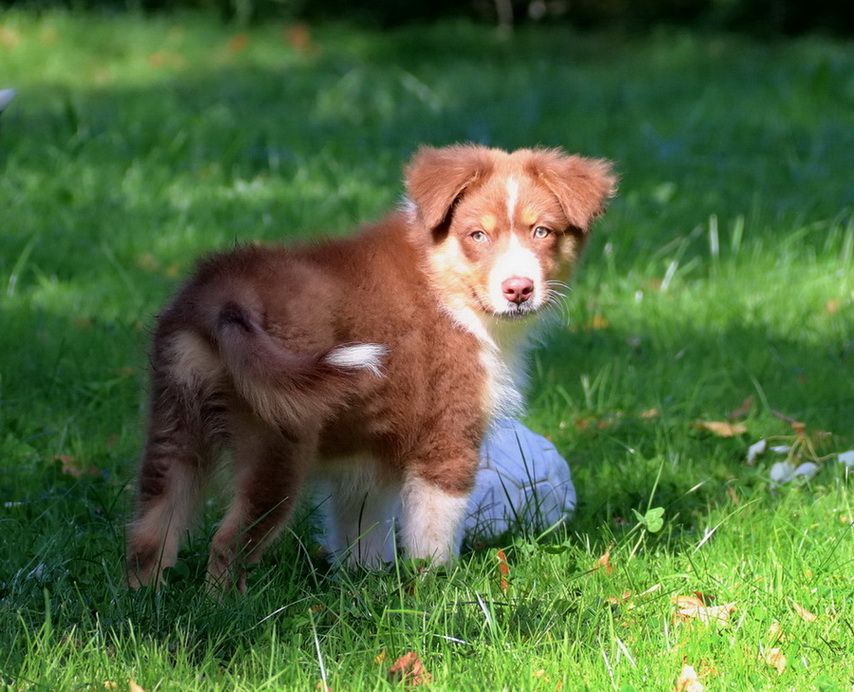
(286,388)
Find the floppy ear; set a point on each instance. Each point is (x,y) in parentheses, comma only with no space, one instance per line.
(582,186)
(435,178)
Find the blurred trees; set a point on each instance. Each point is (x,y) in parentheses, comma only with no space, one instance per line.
(755,16)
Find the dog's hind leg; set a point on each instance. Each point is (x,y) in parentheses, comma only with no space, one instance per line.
(270,467)
(171,474)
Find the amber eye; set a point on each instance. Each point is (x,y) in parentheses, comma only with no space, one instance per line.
(479,237)
(541,232)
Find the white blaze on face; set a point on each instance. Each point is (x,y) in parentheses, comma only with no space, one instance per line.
(512,198)
(514,260)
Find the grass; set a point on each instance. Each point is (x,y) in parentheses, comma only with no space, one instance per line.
(722,271)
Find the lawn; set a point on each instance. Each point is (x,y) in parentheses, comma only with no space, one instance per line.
(722,278)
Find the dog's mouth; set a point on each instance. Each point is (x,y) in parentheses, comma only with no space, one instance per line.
(514,311)
(509,311)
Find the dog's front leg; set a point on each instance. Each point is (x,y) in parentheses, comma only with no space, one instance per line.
(434,499)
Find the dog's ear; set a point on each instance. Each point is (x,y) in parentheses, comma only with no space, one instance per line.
(435,178)
(582,186)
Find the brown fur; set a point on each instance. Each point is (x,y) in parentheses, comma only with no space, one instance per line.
(241,356)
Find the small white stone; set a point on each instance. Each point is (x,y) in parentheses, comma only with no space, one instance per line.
(755,450)
(6,96)
(806,470)
(782,472)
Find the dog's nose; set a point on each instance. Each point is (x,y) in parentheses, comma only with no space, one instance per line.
(517,289)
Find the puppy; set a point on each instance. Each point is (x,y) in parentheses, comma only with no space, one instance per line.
(371,365)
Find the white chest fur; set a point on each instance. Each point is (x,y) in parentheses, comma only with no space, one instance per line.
(503,347)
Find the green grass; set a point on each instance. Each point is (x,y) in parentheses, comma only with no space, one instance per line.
(135,145)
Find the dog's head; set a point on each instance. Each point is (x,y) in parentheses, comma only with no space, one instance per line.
(501,230)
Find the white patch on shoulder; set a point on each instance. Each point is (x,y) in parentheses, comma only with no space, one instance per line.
(432,521)
(359,357)
(512,198)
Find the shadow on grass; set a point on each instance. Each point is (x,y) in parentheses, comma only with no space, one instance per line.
(122,186)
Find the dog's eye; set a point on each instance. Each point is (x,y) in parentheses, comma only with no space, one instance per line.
(541,232)
(479,237)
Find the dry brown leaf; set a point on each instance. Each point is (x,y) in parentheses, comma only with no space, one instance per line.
(622,598)
(134,687)
(503,569)
(690,608)
(597,322)
(775,658)
(409,669)
(688,680)
(742,409)
(110,685)
(803,613)
(799,427)
(650,413)
(604,562)
(9,38)
(238,43)
(721,428)
(299,38)
(775,632)
(71,466)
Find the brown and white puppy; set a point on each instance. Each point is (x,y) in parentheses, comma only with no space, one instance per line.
(371,365)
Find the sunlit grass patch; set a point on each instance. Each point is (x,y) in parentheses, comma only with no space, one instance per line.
(722,274)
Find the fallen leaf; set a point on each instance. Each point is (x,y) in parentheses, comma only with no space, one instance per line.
(110,685)
(690,608)
(775,658)
(503,569)
(803,613)
(775,632)
(604,562)
(71,466)
(9,37)
(298,37)
(622,598)
(705,598)
(721,428)
(133,687)
(798,426)
(733,495)
(742,409)
(380,657)
(597,322)
(238,43)
(831,307)
(409,670)
(650,413)
(148,262)
(688,680)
